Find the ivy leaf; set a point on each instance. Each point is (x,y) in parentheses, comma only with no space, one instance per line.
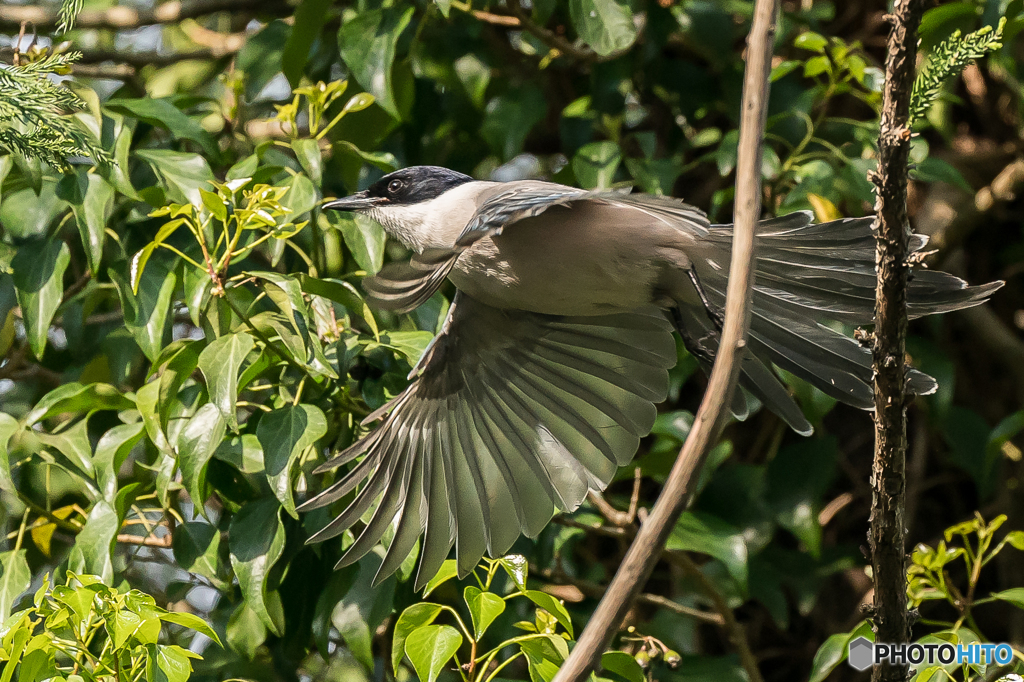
(16,578)
(284,434)
(191,621)
(76,397)
(309,21)
(365,239)
(147,311)
(484,607)
(92,550)
(605,25)
(256,541)
(624,665)
(162,112)
(413,618)
(1014,596)
(201,436)
(517,568)
(39,280)
(707,534)
(8,427)
(183,173)
(91,215)
(449,569)
(112,450)
(245,631)
(430,648)
(173,662)
(308,152)
(196,548)
(367,43)
(552,606)
(834,651)
(219,363)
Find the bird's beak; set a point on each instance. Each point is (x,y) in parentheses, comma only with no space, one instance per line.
(356,202)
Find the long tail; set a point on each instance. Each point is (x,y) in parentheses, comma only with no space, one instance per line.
(807,276)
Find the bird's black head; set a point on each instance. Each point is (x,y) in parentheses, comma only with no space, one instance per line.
(403,187)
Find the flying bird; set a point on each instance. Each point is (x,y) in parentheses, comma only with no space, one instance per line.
(557,346)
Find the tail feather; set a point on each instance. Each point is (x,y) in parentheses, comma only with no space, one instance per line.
(808,274)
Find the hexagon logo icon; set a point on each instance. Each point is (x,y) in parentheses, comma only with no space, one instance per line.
(862,653)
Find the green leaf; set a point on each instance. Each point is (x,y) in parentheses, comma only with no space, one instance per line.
(8,427)
(245,631)
(201,436)
(139,260)
(816,65)
(183,173)
(545,655)
(517,568)
(367,43)
(364,237)
(707,534)
(552,606)
(112,450)
(256,541)
(162,112)
(835,649)
(15,579)
(173,662)
(430,648)
(605,25)
(340,292)
(449,569)
(301,196)
(937,170)
(509,118)
(147,312)
(91,216)
(220,362)
(445,6)
(39,280)
(196,548)
(284,434)
(261,56)
(624,665)
(76,397)
(595,164)
(191,621)
(1014,596)
(93,545)
(309,21)
(483,607)
(413,618)
(307,151)
(812,41)
(242,452)
(409,344)
(123,625)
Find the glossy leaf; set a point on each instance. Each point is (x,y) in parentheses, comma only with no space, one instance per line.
(147,311)
(196,548)
(605,25)
(367,43)
(8,427)
(309,20)
(39,280)
(552,606)
(162,112)
(698,532)
(220,362)
(624,665)
(91,552)
(430,648)
(15,579)
(201,436)
(256,541)
(413,618)
(284,434)
(483,607)
(183,173)
(91,216)
(834,651)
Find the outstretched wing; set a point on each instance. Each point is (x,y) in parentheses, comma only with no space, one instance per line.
(513,416)
(404,286)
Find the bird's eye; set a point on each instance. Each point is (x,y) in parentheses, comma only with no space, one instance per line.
(394,186)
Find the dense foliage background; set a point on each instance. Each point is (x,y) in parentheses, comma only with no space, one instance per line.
(184,338)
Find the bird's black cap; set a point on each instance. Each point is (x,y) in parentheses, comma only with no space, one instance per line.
(406,186)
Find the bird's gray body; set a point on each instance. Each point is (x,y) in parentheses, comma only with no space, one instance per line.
(557,347)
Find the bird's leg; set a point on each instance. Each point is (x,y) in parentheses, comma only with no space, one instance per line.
(713,313)
(694,346)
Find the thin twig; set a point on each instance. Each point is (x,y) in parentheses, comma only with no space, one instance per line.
(645,551)
(145,540)
(592,589)
(888,475)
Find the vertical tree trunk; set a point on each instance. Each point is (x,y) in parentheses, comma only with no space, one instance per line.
(888,476)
